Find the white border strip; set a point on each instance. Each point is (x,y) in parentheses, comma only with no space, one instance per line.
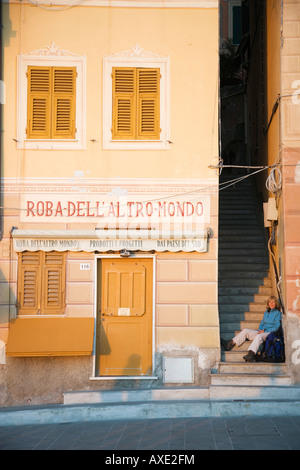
(64,4)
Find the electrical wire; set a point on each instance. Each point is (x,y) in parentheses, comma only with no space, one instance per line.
(205,189)
(272,185)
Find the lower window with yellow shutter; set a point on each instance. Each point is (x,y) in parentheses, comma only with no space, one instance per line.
(41,283)
(41,329)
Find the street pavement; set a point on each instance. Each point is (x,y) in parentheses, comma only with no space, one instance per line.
(162,437)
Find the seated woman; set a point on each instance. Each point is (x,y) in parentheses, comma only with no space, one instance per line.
(271,322)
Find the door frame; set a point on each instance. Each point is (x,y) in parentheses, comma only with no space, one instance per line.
(98,257)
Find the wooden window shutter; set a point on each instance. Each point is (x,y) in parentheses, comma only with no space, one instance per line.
(29,279)
(124,91)
(63,102)
(148,103)
(41,282)
(39,102)
(51,107)
(136,100)
(53,282)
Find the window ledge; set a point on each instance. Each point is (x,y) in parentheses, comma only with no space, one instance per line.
(44,144)
(136,145)
(125,377)
(42,315)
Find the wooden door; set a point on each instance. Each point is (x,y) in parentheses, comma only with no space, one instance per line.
(125,317)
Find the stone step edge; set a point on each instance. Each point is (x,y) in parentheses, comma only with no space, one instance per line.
(128,396)
(165,395)
(150,410)
(251,364)
(247,375)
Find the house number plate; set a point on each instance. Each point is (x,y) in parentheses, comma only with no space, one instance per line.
(85,266)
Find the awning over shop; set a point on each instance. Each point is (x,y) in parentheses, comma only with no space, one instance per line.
(42,336)
(108,240)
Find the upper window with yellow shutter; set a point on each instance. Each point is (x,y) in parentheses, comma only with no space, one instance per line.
(39,102)
(136,101)
(136,104)
(51,101)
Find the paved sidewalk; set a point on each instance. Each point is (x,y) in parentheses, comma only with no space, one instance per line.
(188,434)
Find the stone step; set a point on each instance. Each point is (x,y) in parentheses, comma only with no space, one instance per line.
(256,241)
(256,248)
(244,282)
(252,324)
(244,210)
(243,203)
(244,379)
(241,238)
(235,355)
(238,317)
(252,368)
(243,261)
(248,217)
(236,275)
(249,239)
(228,198)
(129,396)
(258,306)
(243,299)
(228,248)
(257,393)
(250,231)
(259,269)
(186,395)
(236,223)
(236,194)
(225,220)
(224,401)
(241,290)
(239,325)
(238,251)
(241,308)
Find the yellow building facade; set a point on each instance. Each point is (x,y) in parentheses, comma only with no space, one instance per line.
(109,249)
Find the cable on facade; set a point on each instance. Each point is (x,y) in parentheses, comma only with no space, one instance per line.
(274,180)
(274,110)
(52,8)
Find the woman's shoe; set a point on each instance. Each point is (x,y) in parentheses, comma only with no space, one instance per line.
(227,345)
(250,357)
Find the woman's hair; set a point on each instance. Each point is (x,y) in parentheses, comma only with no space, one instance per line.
(272,297)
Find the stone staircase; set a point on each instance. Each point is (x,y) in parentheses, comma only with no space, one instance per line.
(244,287)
